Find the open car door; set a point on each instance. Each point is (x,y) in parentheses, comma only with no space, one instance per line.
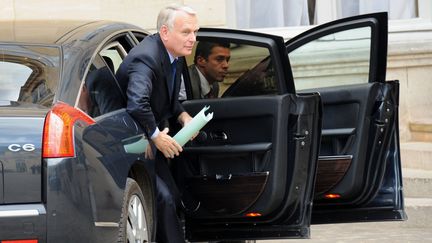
(359,169)
(250,172)
(287,133)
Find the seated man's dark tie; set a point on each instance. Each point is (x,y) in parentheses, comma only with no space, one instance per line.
(210,94)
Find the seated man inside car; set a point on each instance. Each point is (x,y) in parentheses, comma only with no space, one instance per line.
(211,63)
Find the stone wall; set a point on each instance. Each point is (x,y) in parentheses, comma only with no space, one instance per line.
(410,61)
(139,12)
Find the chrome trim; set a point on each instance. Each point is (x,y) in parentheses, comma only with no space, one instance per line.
(22,210)
(335,157)
(19,213)
(106,224)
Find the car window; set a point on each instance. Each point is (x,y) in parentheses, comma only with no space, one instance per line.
(29,74)
(260,80)
(113,54)
(338,59)
(139,36)
(100,93)
(247,72)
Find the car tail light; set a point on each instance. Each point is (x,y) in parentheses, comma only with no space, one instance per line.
(58,138)
(19,241)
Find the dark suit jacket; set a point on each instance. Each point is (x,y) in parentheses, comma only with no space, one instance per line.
(145,74)
(196,83)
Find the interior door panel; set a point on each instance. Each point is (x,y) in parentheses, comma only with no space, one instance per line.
(234,150)
(359,129)
(347,117)
(261,172)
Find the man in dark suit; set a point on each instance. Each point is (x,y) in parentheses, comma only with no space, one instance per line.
(211,63)
(151,75)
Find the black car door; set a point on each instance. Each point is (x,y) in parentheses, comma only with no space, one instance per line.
(359,168)
(115,145)
(249,173)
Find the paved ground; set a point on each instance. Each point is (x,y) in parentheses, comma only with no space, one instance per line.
(383,232)
(418,227)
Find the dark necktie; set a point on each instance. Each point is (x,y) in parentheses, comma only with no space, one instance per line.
(209,95)
(173,70)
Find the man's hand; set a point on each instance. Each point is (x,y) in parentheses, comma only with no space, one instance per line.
(167,145)
(184,118)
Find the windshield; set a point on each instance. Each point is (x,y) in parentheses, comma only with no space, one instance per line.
(29,74)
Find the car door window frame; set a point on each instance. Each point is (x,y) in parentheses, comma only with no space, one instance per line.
(378,40)
(341,58)
(123,41)
(120,50)
(283,76)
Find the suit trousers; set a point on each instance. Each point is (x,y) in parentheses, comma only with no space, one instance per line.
(169,227)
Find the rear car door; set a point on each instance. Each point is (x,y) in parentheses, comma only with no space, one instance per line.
(359,168)
(249,174)
(98,174)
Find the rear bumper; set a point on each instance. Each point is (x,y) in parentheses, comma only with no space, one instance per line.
(23,221)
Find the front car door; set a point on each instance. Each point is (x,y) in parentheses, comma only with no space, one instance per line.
(250,172)
(359,169)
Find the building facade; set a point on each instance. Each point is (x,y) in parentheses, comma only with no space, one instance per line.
(410,33)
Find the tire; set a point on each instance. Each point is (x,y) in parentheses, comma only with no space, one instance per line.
(133,227)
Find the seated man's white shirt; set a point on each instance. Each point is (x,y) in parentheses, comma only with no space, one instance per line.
(205,87)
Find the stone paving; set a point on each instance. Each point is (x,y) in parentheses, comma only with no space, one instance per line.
(418,227)
(398,232)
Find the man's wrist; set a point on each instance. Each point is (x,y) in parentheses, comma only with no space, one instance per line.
(182,118)
(155,133)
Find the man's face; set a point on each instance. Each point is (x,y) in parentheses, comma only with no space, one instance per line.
(215,67)
(181,38)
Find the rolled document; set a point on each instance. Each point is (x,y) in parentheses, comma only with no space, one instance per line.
(138,147)
(182,137)
(198,122)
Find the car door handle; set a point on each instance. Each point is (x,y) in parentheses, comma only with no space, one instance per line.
(223,177)
(219,136)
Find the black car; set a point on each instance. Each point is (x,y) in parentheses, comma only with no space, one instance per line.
(303,132)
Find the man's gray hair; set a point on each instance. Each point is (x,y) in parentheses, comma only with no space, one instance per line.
(167,15)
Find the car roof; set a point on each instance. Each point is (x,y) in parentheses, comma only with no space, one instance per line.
(36,31)
(50,32)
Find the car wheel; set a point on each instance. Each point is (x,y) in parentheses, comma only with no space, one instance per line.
(133,222)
